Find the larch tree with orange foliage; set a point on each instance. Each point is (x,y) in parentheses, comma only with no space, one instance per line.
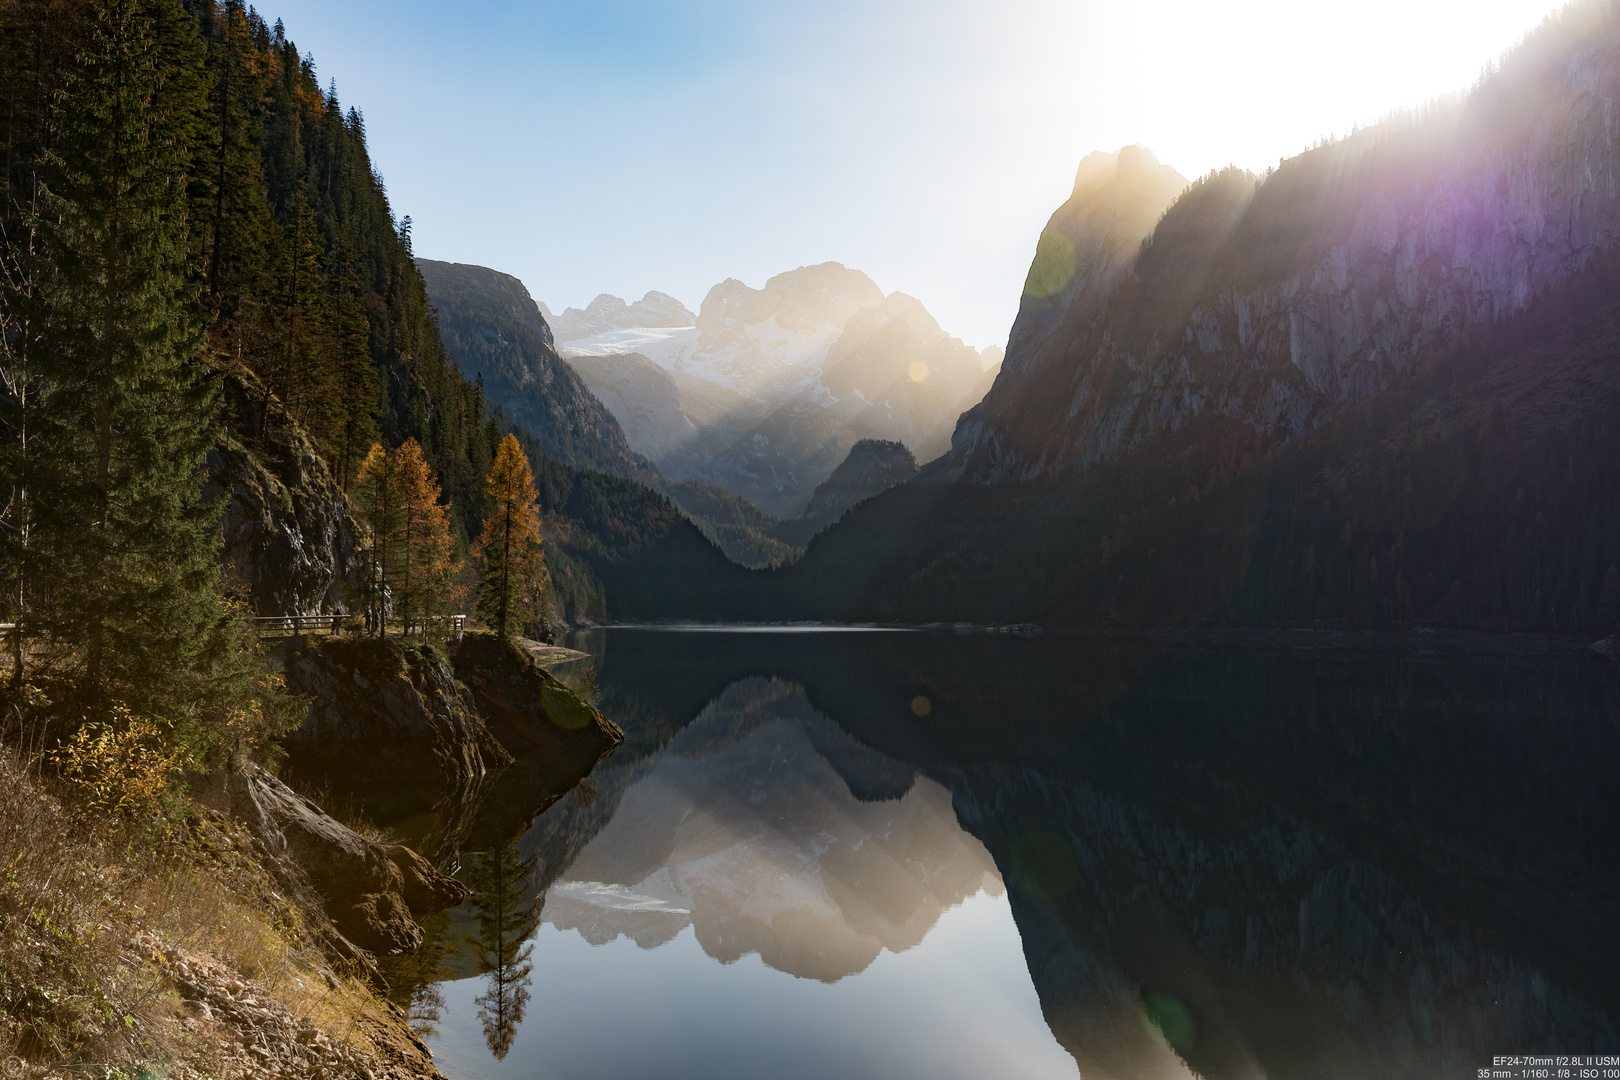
(410,559)
(512,579)
(427,583)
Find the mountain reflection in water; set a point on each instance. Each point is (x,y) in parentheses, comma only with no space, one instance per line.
(1222,863)
(745,832)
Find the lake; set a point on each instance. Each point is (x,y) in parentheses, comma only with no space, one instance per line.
(936,854)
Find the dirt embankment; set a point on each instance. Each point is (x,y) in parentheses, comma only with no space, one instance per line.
(134,949)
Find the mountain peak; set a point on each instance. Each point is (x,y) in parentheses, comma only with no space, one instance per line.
(1091,240)
(608,312)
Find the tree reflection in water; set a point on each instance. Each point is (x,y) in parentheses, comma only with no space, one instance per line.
(508,915)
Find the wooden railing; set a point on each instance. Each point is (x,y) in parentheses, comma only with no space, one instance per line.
(288,625)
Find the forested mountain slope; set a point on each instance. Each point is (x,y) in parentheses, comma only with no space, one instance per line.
(872,466)
(299,272)
(300,288)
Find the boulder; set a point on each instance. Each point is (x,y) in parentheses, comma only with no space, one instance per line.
(371,892)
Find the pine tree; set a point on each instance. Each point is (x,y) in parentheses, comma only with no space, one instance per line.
(507,917)
(232,219)
(38,41)
(356,375)
(125,543)
(512,578)
(295,366)
(379,506)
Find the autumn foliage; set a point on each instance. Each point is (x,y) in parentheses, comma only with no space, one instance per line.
(410,561)
(512,582)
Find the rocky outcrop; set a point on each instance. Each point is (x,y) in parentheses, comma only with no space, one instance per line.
(453,749)
(1091,241)
(371,892)
(286,533)
(872,467)
(1271,304)
(554,736)
(386,707)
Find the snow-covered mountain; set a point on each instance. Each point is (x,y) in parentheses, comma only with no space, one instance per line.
(607,314)
(813,362)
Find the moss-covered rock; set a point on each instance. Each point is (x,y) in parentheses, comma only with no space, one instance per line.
(556,737)
(390,709)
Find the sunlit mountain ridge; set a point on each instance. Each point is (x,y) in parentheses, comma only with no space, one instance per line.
(765,391)
(1361,390)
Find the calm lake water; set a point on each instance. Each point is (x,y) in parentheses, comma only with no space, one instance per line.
(951,855)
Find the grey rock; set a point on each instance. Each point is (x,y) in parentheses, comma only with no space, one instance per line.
(494,330)
(286,534)
(369,891)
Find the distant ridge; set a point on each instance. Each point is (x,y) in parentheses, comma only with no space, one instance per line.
(872,467)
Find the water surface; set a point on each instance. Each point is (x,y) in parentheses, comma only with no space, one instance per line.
(937,854)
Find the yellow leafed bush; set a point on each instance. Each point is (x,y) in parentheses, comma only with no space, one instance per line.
(123,766)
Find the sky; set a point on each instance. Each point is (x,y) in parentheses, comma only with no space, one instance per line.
(616,146)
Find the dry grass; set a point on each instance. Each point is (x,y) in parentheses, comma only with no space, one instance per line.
(79,890)
(348,810)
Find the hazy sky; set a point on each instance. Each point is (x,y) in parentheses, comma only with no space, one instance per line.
(617,147)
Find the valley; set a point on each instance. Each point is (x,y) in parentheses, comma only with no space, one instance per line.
(401,677)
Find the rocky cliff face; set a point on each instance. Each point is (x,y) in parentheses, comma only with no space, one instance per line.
(1090,242)
(493,328)
(286,534)
(1270,304)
